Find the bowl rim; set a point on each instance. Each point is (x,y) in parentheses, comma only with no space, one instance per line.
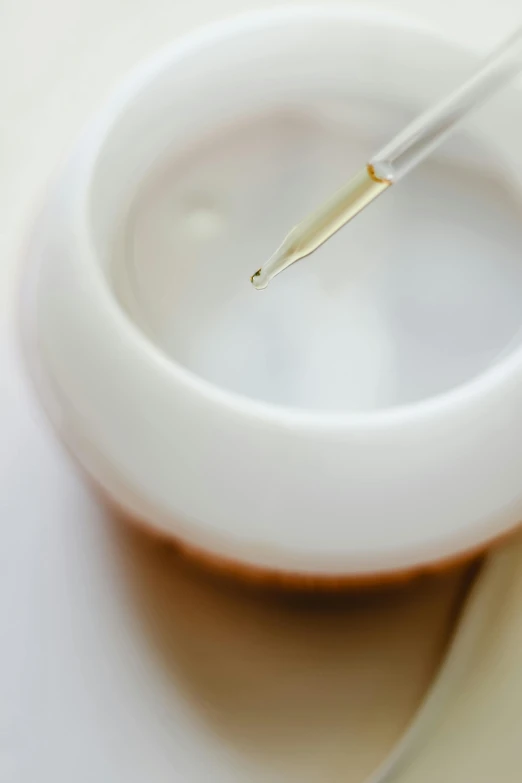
(437,406)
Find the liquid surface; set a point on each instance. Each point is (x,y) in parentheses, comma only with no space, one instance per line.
(420,293)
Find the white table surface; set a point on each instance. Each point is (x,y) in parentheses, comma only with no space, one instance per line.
(118,662)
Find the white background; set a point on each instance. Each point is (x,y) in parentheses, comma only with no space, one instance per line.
(118,662)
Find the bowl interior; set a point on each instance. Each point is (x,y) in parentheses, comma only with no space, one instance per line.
(220,154)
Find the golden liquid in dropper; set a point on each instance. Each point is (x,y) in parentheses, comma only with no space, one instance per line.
(314,230)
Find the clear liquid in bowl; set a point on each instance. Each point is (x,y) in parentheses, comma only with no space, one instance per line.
(419,294)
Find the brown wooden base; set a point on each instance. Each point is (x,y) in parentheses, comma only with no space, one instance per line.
(292,581)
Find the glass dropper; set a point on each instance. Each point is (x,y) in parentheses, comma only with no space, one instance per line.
(395,160)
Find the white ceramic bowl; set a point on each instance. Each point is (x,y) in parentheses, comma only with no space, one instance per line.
(361,417)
